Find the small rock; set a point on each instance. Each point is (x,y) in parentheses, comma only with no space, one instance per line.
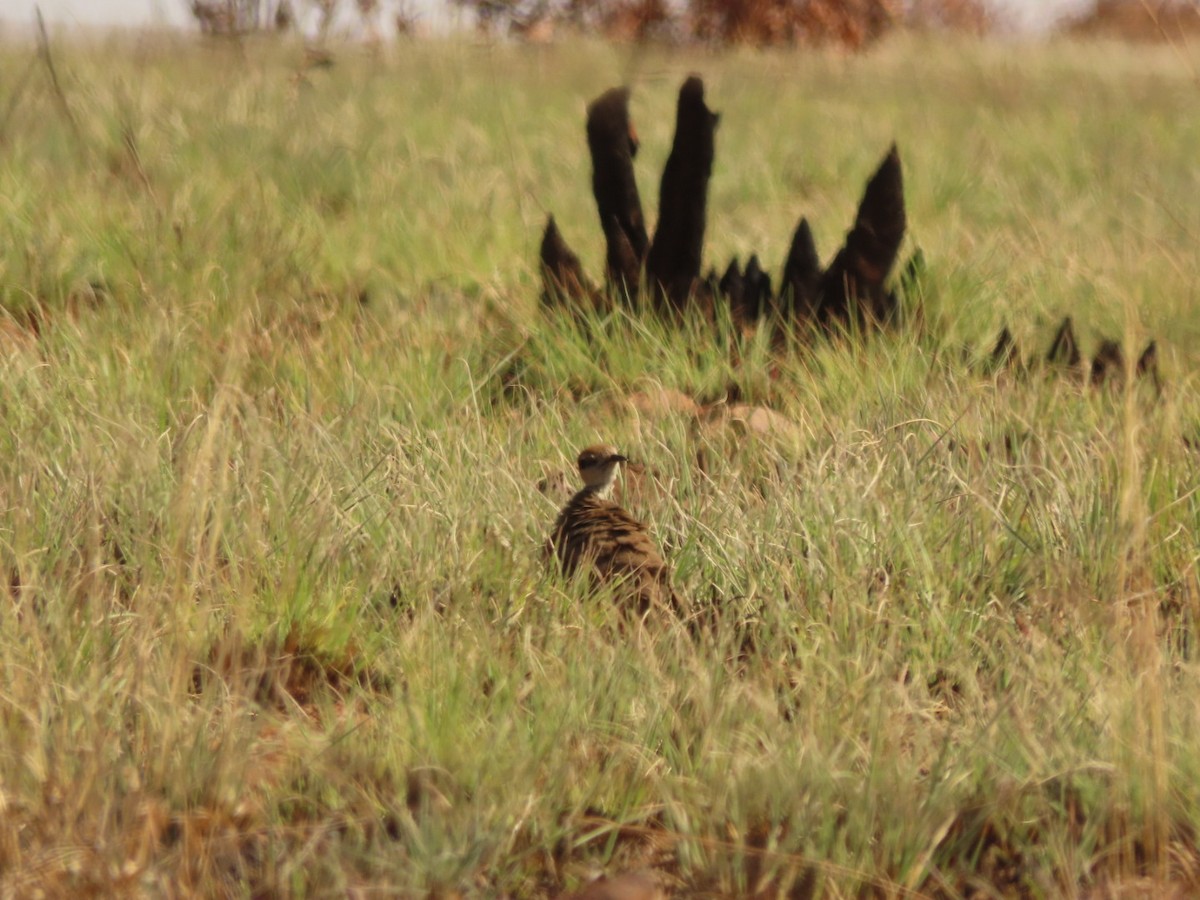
(630,886)
(662,402)
(760,420)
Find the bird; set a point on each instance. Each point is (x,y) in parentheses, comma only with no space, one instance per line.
(593,532)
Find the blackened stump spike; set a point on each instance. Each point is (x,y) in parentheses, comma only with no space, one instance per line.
(798,288)
(853,285)
(732,287)
(1147,365)
(754,270)
(622,266)
(673,263)
(563,278)
(612,142)
(1109,362)
(1148,362)
(731,281)
(1005,350)
(758,288)
(1064,349)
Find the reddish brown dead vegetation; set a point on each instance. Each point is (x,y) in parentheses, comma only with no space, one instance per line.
(285,672)
(23,322)
(849,23)
(1140,20)
(853,24)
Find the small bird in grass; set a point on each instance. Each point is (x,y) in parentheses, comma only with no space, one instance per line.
(593,531)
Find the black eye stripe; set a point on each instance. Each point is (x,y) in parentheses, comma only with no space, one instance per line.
(591,458)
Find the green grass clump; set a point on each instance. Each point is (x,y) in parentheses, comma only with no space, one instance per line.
(276,397)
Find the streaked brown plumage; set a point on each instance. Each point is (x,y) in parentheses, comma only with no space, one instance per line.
(594,531)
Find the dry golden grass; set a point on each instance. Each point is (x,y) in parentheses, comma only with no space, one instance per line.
(276,399)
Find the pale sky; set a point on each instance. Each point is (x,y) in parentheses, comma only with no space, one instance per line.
(1032,14)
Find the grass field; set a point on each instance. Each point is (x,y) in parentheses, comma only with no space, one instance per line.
(276,620)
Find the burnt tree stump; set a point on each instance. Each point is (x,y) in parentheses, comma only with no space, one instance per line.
(673,264)
(1109,362)
(1064,349)
(1147,364)
(852,294)
(613,144)
(1004,353)
(852,291)
(852,288)
(758,295)
(1107,365)
(563,278)
(732,287)
(799,288)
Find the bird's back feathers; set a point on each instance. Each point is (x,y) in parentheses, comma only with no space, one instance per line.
(592,531)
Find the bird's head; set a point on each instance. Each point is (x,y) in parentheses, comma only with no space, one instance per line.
(598,467)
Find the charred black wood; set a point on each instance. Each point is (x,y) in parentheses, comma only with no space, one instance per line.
(1064,350)
(1148,362)
(748,292)
(852,288)
(758,297)
(799,288)
(623,266)
(851,291)
(1004,353)
(1109,362)
(732,287)
(563,278)
(731,282)
(613,144)
(1147,365)
(673,263)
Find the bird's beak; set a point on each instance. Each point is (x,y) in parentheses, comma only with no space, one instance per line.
(618,458)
